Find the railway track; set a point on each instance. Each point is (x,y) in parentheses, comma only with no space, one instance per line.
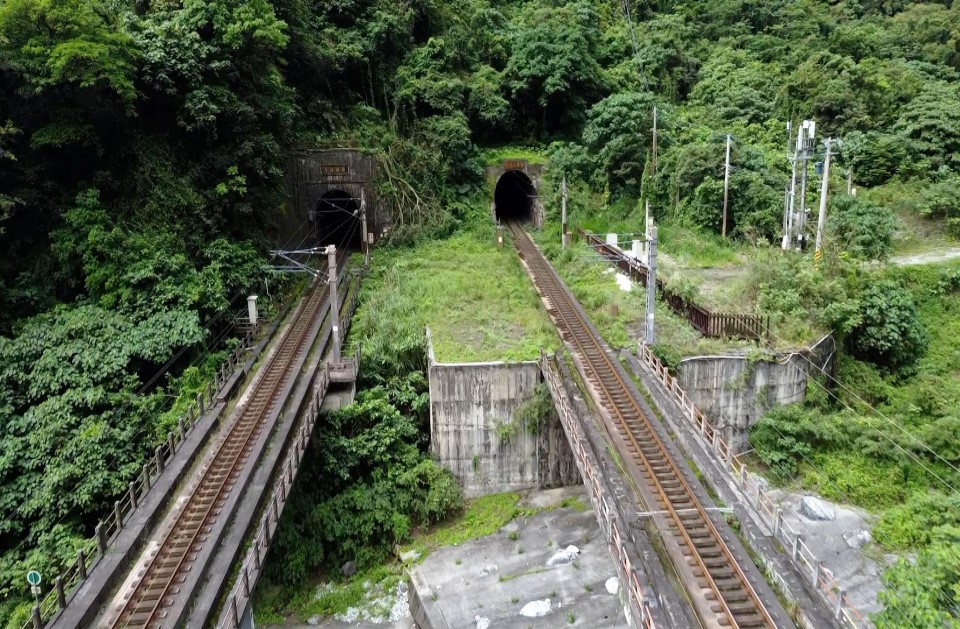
(730,598)
(158,585)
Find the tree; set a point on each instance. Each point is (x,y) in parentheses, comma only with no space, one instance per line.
(931,121)
(861,228)
(889,333)
(553,73)
(875,157)
(941,200)
(733,87)
(618,130)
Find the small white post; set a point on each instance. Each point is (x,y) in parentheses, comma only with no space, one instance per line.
(252,309)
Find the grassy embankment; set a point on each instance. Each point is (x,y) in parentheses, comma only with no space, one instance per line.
(476,300)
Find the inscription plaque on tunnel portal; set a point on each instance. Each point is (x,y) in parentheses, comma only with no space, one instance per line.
(334,170)
(514,164)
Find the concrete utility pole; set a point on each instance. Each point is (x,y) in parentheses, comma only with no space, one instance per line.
(563,213)
(334,303)
(850,181)
(726,188)
(805,144)
(824,186)
(791,194)
(363,220)
(654,141)
(651,280)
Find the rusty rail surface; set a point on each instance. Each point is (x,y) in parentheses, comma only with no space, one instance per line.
(759,500)
(708,323)
(722,581)
(166,568)
(251,566)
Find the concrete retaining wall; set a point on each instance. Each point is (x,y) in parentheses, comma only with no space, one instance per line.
(470,405)
(735,391)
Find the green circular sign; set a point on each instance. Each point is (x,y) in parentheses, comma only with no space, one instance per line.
(33,577)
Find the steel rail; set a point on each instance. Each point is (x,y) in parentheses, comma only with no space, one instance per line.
(194,520)
(737,601)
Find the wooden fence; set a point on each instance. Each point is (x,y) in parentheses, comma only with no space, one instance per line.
(709,324)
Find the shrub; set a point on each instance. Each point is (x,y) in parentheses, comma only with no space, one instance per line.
(942,200)
(890,333)
(862,228)
(911,525)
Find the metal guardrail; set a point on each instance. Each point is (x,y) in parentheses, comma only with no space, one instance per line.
(252,564)
(593,480)
(709,323)
(771,514)
(65,585)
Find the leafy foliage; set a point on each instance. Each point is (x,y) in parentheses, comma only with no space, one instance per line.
(889,333)
(925,593)
(367,490)
(861,228)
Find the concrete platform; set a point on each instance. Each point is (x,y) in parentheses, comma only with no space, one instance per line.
(495,577)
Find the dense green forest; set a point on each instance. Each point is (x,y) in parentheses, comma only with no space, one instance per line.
(142,149)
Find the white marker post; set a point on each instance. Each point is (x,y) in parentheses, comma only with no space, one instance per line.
(252,309)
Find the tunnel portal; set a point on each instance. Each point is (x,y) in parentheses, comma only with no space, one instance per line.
(338,221)
(513,197)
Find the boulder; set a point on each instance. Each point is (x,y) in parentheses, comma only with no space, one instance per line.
(857,538)
(815,509)
(561,557)
(491,569)
(612,585)
(349,569)
(536,609)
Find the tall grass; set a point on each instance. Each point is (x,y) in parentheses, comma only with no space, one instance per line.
(476,300)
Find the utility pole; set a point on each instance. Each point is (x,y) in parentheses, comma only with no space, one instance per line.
(822,219)
(334,304)
(654,140)
(563,215)
(791,193)
(726,187)
(850,180)
(363,220)
(651,279)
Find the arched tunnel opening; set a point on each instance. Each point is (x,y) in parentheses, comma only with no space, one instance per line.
(513,197)
(338,221)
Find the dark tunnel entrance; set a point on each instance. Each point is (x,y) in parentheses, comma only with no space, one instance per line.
(513,198)
(338,221)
